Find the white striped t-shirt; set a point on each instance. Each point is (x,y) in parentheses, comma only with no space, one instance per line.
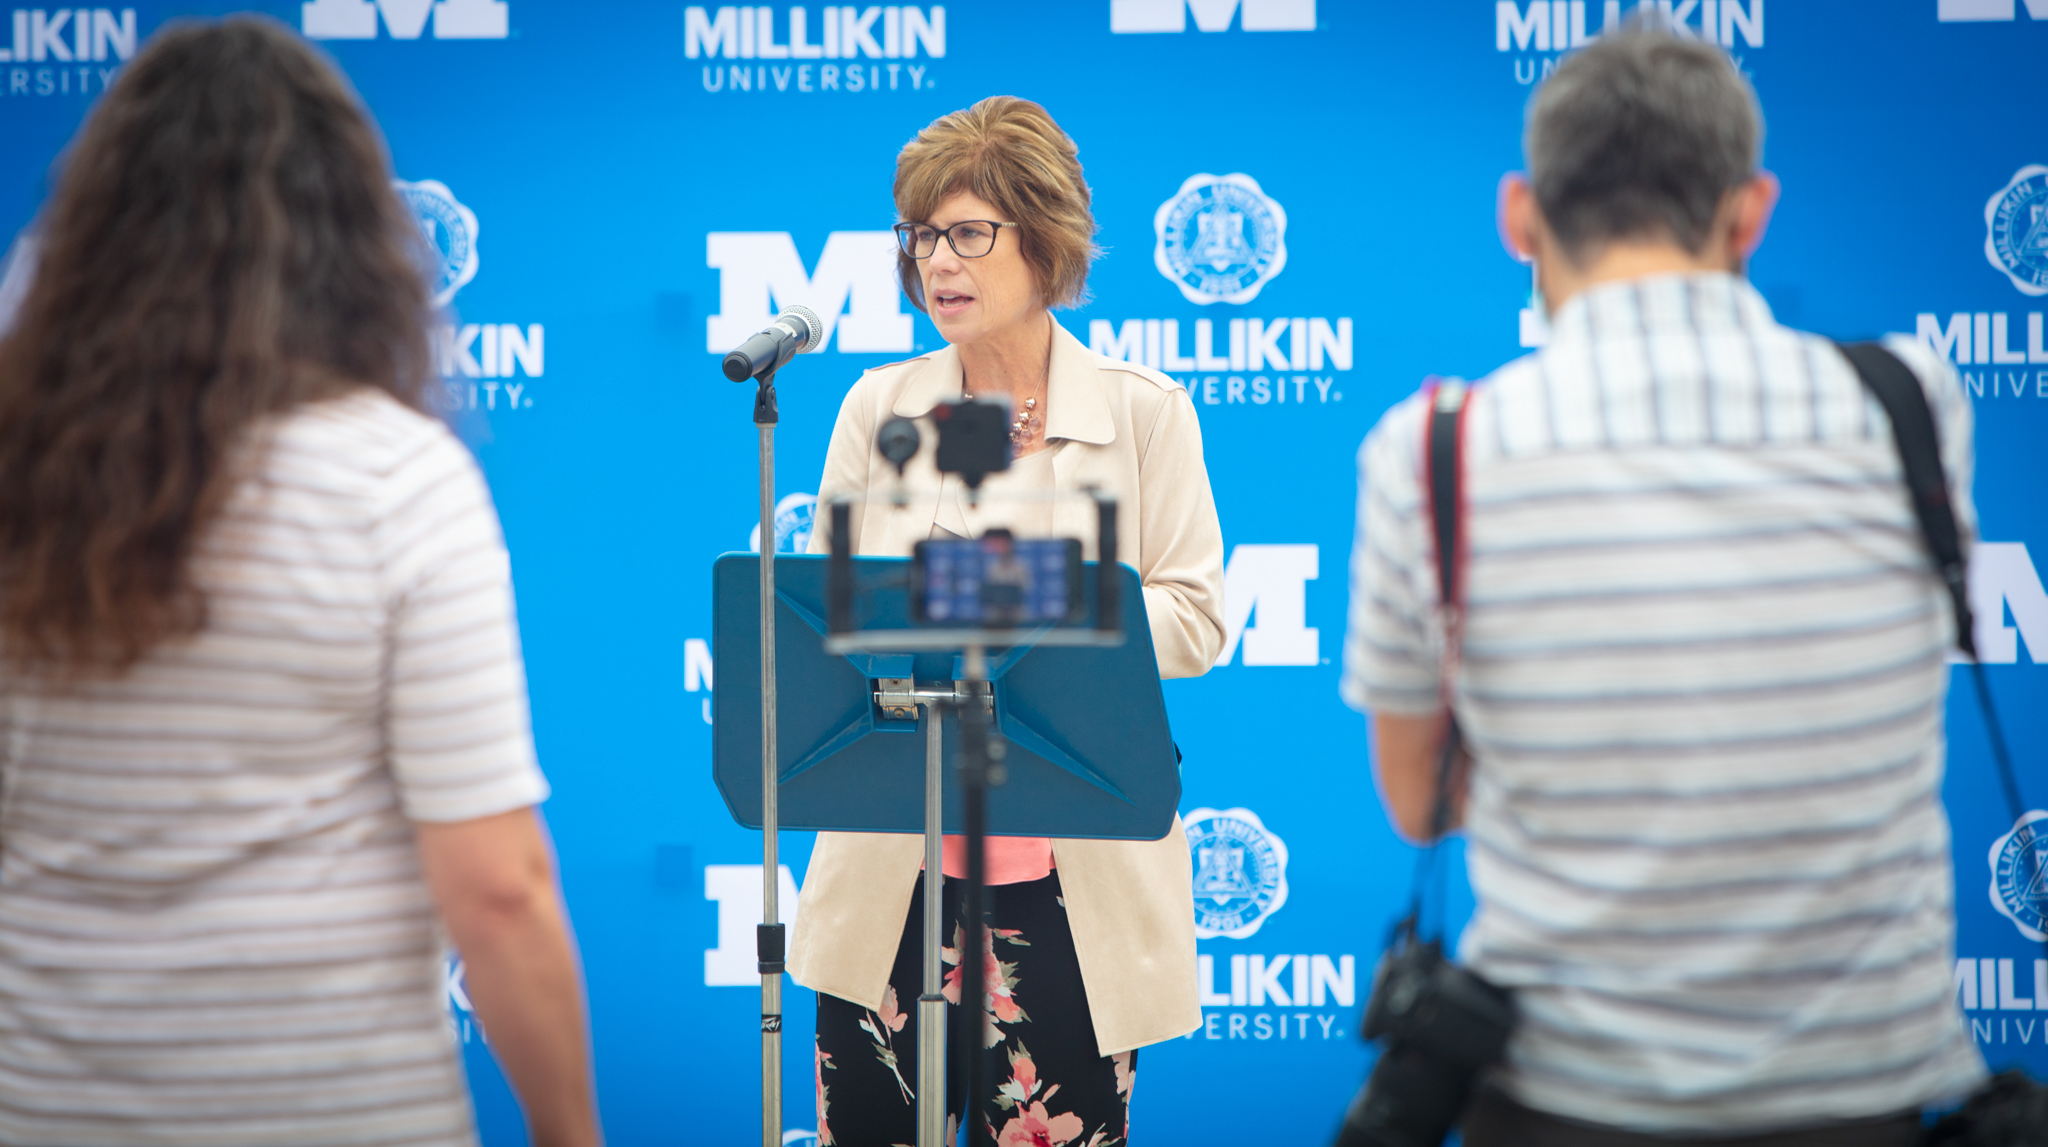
(1703,682)
(213,927)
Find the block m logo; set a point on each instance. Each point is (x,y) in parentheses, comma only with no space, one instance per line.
(1961,11)
(1272,582)
(760,271)
(405,19)
(1212,15)
(2002,577)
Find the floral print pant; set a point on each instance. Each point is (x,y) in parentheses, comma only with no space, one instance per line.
(1046,1085)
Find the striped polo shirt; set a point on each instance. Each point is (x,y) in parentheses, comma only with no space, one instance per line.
(213,925)
(1703,682)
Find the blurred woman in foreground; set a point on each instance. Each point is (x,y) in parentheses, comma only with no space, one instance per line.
(263,705)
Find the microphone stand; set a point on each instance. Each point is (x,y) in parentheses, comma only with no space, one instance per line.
(769,938)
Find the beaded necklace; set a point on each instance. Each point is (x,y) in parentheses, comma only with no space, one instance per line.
(1025,426)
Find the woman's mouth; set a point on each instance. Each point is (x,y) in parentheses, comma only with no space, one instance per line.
(951,302)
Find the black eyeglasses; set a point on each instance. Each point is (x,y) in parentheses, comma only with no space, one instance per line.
(970,239)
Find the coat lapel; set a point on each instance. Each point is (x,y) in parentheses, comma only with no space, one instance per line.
(1077,409)
(936,379)
(1076,401)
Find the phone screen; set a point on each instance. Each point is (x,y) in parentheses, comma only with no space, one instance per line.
(996,581)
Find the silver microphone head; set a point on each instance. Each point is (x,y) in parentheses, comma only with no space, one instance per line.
(807,318)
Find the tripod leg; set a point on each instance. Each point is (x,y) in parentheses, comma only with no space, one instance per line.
(973,966)
(974,777)
(931,1005)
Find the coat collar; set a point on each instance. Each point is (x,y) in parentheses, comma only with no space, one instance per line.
(1077,404)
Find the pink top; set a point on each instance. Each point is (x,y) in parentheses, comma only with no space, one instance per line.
(1011,859)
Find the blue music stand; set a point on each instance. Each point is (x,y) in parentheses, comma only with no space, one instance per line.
(1079,711)
(1090,754)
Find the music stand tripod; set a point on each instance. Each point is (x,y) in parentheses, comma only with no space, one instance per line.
(1078,708)
(971,699)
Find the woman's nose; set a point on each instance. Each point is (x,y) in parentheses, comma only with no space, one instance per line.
(945,258)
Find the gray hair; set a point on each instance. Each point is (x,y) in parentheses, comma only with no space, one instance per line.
(1640,135)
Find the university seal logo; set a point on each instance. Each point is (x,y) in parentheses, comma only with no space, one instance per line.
(795,514)
(1240,871)
(2016,229)
(2019,875)
(450,229)
(1221,239)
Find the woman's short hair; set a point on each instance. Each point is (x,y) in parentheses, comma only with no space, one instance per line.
(1009,152)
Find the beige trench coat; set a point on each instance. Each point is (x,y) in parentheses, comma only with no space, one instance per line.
(1132,431)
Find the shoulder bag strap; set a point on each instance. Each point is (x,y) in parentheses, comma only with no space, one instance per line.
(1443,497)
(1897,390)
(1444,452)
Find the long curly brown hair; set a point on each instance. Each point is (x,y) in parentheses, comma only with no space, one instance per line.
(223,244)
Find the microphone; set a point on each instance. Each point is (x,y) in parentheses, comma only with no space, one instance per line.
(795,331)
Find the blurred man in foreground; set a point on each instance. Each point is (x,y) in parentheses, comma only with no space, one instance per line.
(1703,661)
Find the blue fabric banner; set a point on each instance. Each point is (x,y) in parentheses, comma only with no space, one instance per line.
(624,191)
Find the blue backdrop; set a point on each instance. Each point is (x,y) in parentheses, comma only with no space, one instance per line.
(640,182)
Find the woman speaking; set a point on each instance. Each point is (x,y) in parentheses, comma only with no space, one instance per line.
(1091,944)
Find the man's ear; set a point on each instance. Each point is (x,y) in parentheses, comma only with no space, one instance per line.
(1751,205)
(1519,221)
